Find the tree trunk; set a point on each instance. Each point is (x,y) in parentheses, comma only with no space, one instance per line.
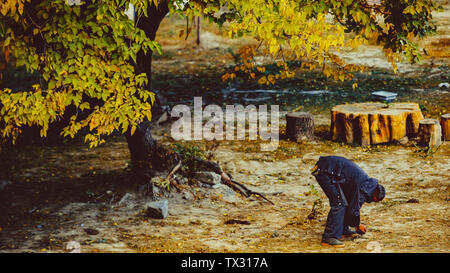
(150,25)
(143,148)
(198,30)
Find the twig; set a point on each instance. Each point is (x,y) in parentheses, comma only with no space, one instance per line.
(169,176)
(174,170)
(112,198)
(98,197)
(227,180)
(240,187)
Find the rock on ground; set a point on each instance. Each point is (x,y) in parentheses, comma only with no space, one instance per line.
(210,178)
(158,209)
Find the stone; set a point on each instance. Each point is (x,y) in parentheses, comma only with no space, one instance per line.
(147,189)
(230,167)
(127,200)
(444,85)
(163,118)
(187,196)
(158,209)
(209,178)
(403,140)
(228,195)
(180,179)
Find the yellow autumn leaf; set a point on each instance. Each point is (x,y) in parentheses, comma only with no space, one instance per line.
(262,80)
(133,129)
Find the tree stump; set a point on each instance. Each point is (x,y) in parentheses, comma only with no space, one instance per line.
(429,133)
(373,123)
(445,125)
(299,126)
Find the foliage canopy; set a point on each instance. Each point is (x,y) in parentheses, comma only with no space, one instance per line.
(85,53)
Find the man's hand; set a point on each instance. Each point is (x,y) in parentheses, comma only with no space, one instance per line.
(361,229)
(314,169)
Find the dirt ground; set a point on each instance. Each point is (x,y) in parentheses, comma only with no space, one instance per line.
(65,197)
(45,214)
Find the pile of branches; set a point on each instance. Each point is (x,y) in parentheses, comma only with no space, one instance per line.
(190,160)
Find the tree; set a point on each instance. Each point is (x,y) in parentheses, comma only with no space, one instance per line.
(95,63)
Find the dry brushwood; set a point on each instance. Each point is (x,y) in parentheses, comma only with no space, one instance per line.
(195,163)
(228,180)
(172,172)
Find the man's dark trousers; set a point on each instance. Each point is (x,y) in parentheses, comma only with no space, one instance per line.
(338,205)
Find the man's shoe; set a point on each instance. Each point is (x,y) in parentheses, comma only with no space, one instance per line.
(350,235)
(333,242)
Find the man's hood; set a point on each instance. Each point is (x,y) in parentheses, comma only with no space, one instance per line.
(367,189)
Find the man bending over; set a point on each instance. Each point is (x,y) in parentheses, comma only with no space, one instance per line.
(347,187)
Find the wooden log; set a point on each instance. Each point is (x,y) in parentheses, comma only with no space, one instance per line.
(374,123)
(299,126)
(445,126)
(429,133)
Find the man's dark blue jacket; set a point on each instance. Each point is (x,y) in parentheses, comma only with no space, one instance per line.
(356,186)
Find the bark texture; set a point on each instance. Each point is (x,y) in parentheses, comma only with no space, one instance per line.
(374,123)
(299,126)
(445,125)
(429,133)
(145,158)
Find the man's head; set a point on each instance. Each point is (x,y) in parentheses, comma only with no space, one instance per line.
(378,194)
